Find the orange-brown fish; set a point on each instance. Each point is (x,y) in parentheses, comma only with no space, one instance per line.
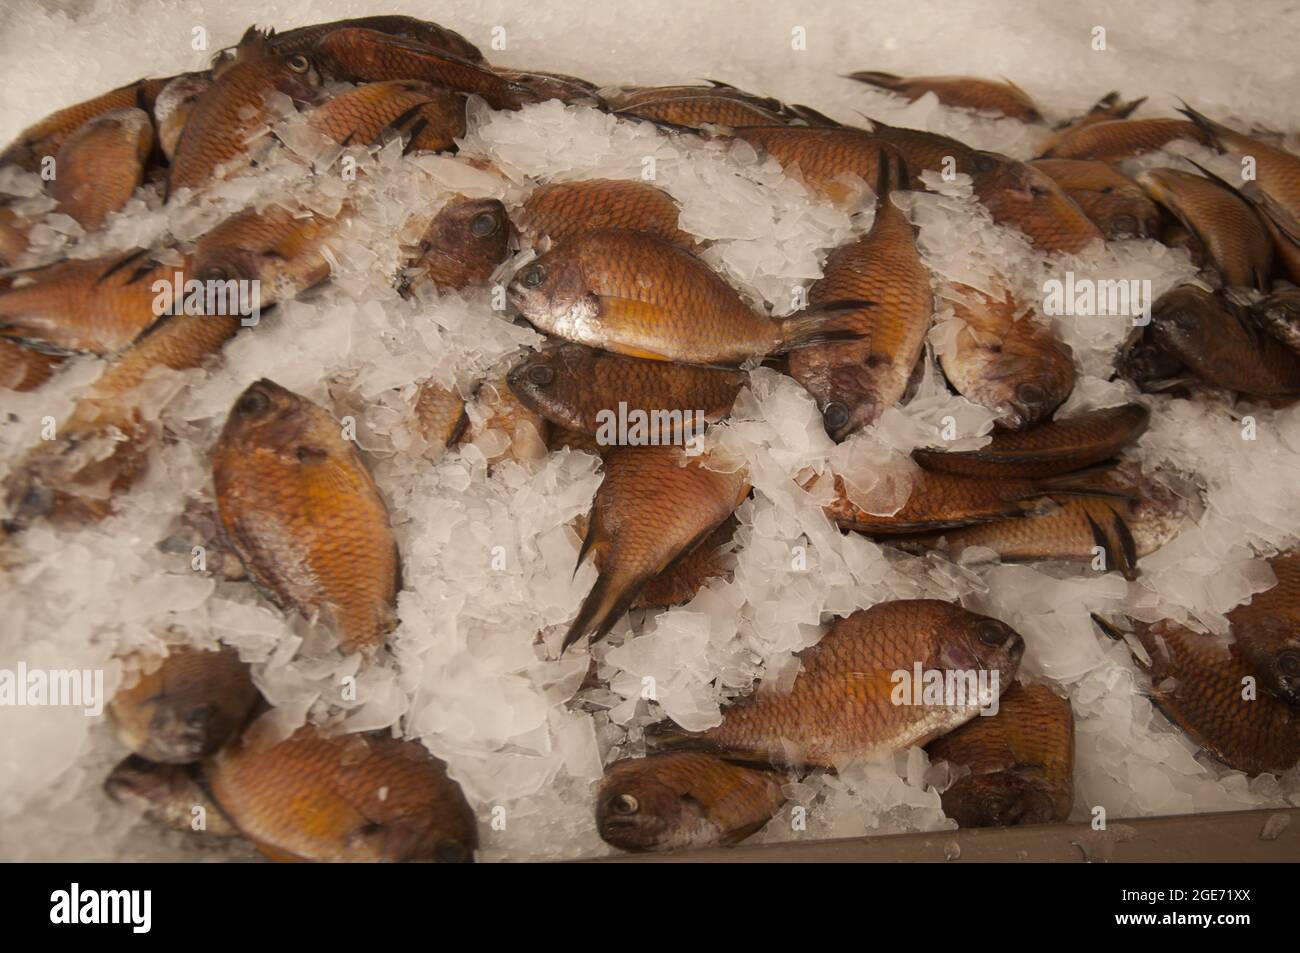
(25,368)
(833,162)
(1229,230)
(99,305)
(102,448)
(503,426)
(223,120)
(589,390)
(1114,202)
(1007,359)
(302,511)
(1020,762)
(439,416)
(638,295)
(694,106)
(359,55)
(302,39)
(564,209)
(432,117)
(685,578)
(854,382)
(682,800)
(279,247)
(654,505)
(99,166)
(542,86)
(1120,138)
(1110,106)
(185,705)
(560,438)
(1112,532)
(1059,446)
(858,695)
(463,244)
(172,108)
(171,795)
(317,797)
(1276,171)
(1225,697)
(944,501)
(43,139)
(969,92)
(1211,338)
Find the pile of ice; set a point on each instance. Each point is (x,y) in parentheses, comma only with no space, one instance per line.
(489,550)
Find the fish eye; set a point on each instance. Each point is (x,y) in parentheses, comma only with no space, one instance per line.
(984,163)
(1030,394)
(199,717)
(1037,191)
(214,274)
(450,852)
(625,804)
(835,415)
(484,224)
(1288,663)
(298,63)
(252,404)
(311,455)
(541,375)
(533,277)
(991,632)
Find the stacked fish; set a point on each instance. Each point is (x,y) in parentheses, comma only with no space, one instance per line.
(635,318)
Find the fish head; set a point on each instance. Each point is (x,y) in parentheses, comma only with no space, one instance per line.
(1184,319)
(1031,200)
(1271,650)
(256,63)
(465,242)
(639,812)
(982,643)
(1000,799)
(1123,212)
(552,381)
(156,789)
(552,293)
(268,417)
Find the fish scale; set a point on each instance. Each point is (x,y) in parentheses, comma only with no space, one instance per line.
(565,209)
(1119,138)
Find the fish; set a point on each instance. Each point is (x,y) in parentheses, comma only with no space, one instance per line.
(836,163)
(1061,445)
(1119,139)
(14,231)
(848,700)
(589,390)
(172,108)
(102,448)
(99,167)
(43,139)
(1211,338)
(24,368)
(541,86)
(502,426)
(171,795)
(281,248)
(465,242)
(560,438)
(692,107)
(89,305)
(304,38)
(185,705)
(640,296)
(1279,314)
(440,416)
(681,582)
(1110,106)
(1020,762)
(302,511)
(854,382)
(1267,629)
(653,506)
(968,92)
(940,501)
(1276,171)
(1111,531)
(561,210)
(1007,359)
(358,55)
(222,120)
(1114,202)
(1200,685)
(343,798)
(684,800)
(431,117)
(1227,228)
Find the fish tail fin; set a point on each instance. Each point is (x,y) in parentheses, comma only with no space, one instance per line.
(890,81)
(1103,104)
(813,117)
(1093,481)
(1138,630)
(606,603)
(891,172)
(816,325)
(1129,108)
(1213,131)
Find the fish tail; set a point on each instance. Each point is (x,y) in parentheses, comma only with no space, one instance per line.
(609,599)
(891,172)
(813,117)
(815,325)
(1094,481)
(1213,131)
(877,78)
